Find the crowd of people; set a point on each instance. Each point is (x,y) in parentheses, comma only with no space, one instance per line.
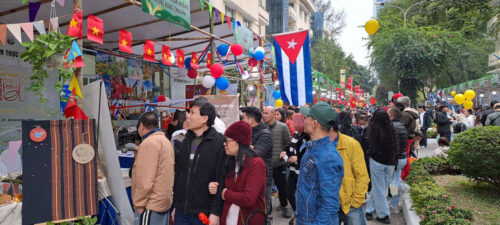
(322,159)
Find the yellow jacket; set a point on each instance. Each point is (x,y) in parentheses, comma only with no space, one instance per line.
(355,181)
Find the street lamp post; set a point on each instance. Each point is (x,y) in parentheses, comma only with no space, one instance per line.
(405,12)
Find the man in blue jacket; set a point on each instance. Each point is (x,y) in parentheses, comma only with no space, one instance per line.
(321,170)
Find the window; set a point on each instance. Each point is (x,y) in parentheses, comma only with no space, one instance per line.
(229,12)
(246,23)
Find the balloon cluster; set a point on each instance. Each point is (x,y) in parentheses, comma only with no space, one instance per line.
(277,95)
(464,99)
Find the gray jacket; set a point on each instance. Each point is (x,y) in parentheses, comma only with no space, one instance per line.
(281,138)
(492,120)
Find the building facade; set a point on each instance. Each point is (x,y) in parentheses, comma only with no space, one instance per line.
(245,12)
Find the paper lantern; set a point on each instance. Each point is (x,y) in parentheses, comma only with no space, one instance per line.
(216,70)
(222,49)
(192,74)
(278,103)
(208,81)
(182,72)
(222,83)
(277,95)
(371,26)
(259,56)
(453,93)
(468,104)
(459,98)
(236,49)
(469,94)
(252,62)
(187,63)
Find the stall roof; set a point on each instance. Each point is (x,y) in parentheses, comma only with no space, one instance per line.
(127,14)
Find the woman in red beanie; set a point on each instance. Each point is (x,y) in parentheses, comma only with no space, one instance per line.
(245,181)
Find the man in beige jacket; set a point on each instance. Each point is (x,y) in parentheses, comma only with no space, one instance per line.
(153,173)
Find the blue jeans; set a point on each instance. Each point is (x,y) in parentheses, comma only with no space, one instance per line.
(398,181)
(381,176)
(181,219)
(149,217)
(356,216)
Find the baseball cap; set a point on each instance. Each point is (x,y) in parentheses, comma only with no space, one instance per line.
(321,112)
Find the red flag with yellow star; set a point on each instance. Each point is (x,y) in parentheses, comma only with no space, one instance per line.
(179,53)
(149,51)
(125,41)
(95,29)
(75,27)
(166,55)
(209,59)
(194,61)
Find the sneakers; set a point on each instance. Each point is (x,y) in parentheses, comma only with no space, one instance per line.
(369,216)
(286,212)
(384,220)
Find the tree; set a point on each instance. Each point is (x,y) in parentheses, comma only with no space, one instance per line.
(443,44)
(334,20)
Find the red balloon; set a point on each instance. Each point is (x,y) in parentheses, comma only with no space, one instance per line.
(192,74)
(236,49)
(252,62)
(161,98)
(216,70)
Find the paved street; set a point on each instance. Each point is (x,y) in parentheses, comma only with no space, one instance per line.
(396,219)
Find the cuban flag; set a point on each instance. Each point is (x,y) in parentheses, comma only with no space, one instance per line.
(116,111)
(293,62)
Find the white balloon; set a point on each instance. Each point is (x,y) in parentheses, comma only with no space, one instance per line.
(260,49)
(182,72)
(208,81)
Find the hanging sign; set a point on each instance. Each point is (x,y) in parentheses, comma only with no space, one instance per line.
(173,11)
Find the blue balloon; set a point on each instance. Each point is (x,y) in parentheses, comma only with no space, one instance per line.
(222,49)
(222,83)
(277,95)
(187,63)
(155,99)
(259,55)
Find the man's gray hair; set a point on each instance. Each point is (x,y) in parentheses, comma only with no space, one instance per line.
(405,100)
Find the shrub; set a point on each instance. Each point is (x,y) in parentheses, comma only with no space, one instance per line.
(438,165)
(431,133)
(428,191)
(476,152)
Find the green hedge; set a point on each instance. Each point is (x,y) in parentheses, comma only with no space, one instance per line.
(477,152)
(431,134)
(431,200)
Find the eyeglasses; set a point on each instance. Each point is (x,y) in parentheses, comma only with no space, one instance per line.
(228,140)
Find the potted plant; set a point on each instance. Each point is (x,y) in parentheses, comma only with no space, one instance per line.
(46,52)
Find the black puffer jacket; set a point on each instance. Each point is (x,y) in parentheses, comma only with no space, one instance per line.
(191,194)
(402,139)
(262,142)
(443,123)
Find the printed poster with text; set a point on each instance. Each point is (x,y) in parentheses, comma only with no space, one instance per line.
(177,12)
(226,106)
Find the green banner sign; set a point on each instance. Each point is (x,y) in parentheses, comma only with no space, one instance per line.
(177,12)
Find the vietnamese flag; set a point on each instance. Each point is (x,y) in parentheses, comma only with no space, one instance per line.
(179,53)
(194,61)
(209,59)
(125,41)
(75,28)
(166,55)
(149,51)
(349,83)
(95,29)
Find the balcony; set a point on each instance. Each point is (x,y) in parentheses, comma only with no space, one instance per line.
(292,15)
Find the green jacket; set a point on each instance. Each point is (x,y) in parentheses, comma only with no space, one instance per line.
(493,119)
(281,138)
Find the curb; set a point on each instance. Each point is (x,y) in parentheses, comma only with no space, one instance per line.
(411,217)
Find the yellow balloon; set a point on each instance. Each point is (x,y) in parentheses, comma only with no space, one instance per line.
(453,93)
(278,103)
(469,94)
(371,26)
(459,98)
(468,104)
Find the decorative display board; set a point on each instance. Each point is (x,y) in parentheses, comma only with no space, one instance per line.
(55,185)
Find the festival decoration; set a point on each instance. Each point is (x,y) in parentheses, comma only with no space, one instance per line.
(459,98)
(209,60)
(208,81)
(15,29)
(453,93)
(194,61)
(28,30)
(179,53)
(187,63)
(276,94)
(278,103)
(371,26)
(222,83)
(192,73)
(259,56)
(38,134)
(468,104)
(74,87)
(125,39)
(33,10)
(95,28)
(161,98)
(74,51)
(216,70)
(253,62)
(469,94)
(40,26)
(203,218)
(236,49)
(222,49)
(54,24)
(149,51)
(166,55)
(75,27)
(72,110)
(3,33)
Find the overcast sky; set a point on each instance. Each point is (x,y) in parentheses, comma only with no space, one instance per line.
(351,39)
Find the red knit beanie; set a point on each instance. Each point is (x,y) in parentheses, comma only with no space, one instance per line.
(241,132)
